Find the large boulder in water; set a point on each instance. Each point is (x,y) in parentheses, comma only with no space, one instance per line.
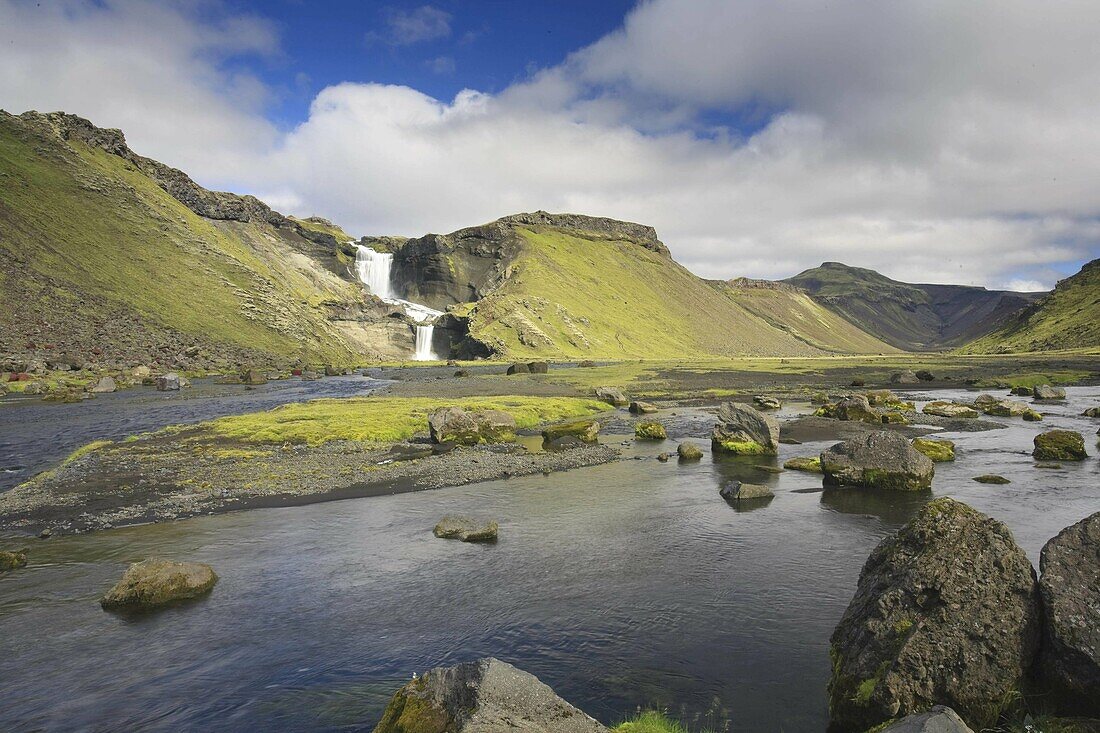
(486,696)
(455,425)
(939,719)
(153,583)
(586,431)
(1059,445)
(1070,588)
(942,408)
(169,382)
(946,612)
(1046,392)
(466,529)
(745,431)
(12,560)
(877,460)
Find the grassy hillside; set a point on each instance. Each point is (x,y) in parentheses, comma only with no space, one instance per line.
(98,259)
(1068,318)
(911,317)
(574,294)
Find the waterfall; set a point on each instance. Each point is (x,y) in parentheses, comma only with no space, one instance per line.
(373,269)
(424,344)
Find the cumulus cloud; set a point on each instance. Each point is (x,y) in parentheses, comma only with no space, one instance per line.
(933,141)
(406,27)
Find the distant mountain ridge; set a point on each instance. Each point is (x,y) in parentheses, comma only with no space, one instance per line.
(914,317)
(1067,318)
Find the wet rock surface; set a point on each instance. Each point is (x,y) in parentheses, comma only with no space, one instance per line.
(1059,445)
(744,430)
(466,529)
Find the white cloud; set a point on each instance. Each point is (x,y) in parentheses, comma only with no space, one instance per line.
(406,27)
(936,142)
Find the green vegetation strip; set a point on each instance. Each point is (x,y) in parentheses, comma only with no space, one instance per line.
(382,419)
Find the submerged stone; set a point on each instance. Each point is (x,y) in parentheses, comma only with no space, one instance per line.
(466,529)
(991,478)
(689,452)
(809,464)
(12,560)
(937,449)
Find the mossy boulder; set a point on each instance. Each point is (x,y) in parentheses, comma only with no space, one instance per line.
(1070,590)
(587,431)
(1005,408)
(154,583)
(456,425)
(946,612)
(481,697)
(650,430)
(745,431)
(738,491)
(1032,416)
(1059,445)
(991,478)
(12,560)
(942,408)
(612,396)
(466,529)
(809,464)
(878,460)
(689,452)
(937,449)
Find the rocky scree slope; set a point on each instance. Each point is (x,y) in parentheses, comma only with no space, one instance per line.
(571,286)
(119,260)
(908,316)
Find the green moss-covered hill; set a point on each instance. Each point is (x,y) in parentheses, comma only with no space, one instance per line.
(911,317)
(116,259)
(1068,318)
(568,286)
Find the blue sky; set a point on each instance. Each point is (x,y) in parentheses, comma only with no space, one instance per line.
(931,140)
(486,45)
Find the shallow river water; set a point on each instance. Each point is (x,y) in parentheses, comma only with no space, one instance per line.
(624,585)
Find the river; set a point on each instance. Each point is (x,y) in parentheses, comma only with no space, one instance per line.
(627,585)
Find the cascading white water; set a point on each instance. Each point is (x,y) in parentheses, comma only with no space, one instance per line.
(373,269)
(424,350)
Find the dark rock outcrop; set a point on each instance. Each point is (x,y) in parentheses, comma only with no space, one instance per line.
(878,460)
(1070,589)
(946,612)
(745,431)
(487,696)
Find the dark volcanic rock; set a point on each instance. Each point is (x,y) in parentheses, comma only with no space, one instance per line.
(946,612)
(878,460)
(487,696)
(1070,588)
